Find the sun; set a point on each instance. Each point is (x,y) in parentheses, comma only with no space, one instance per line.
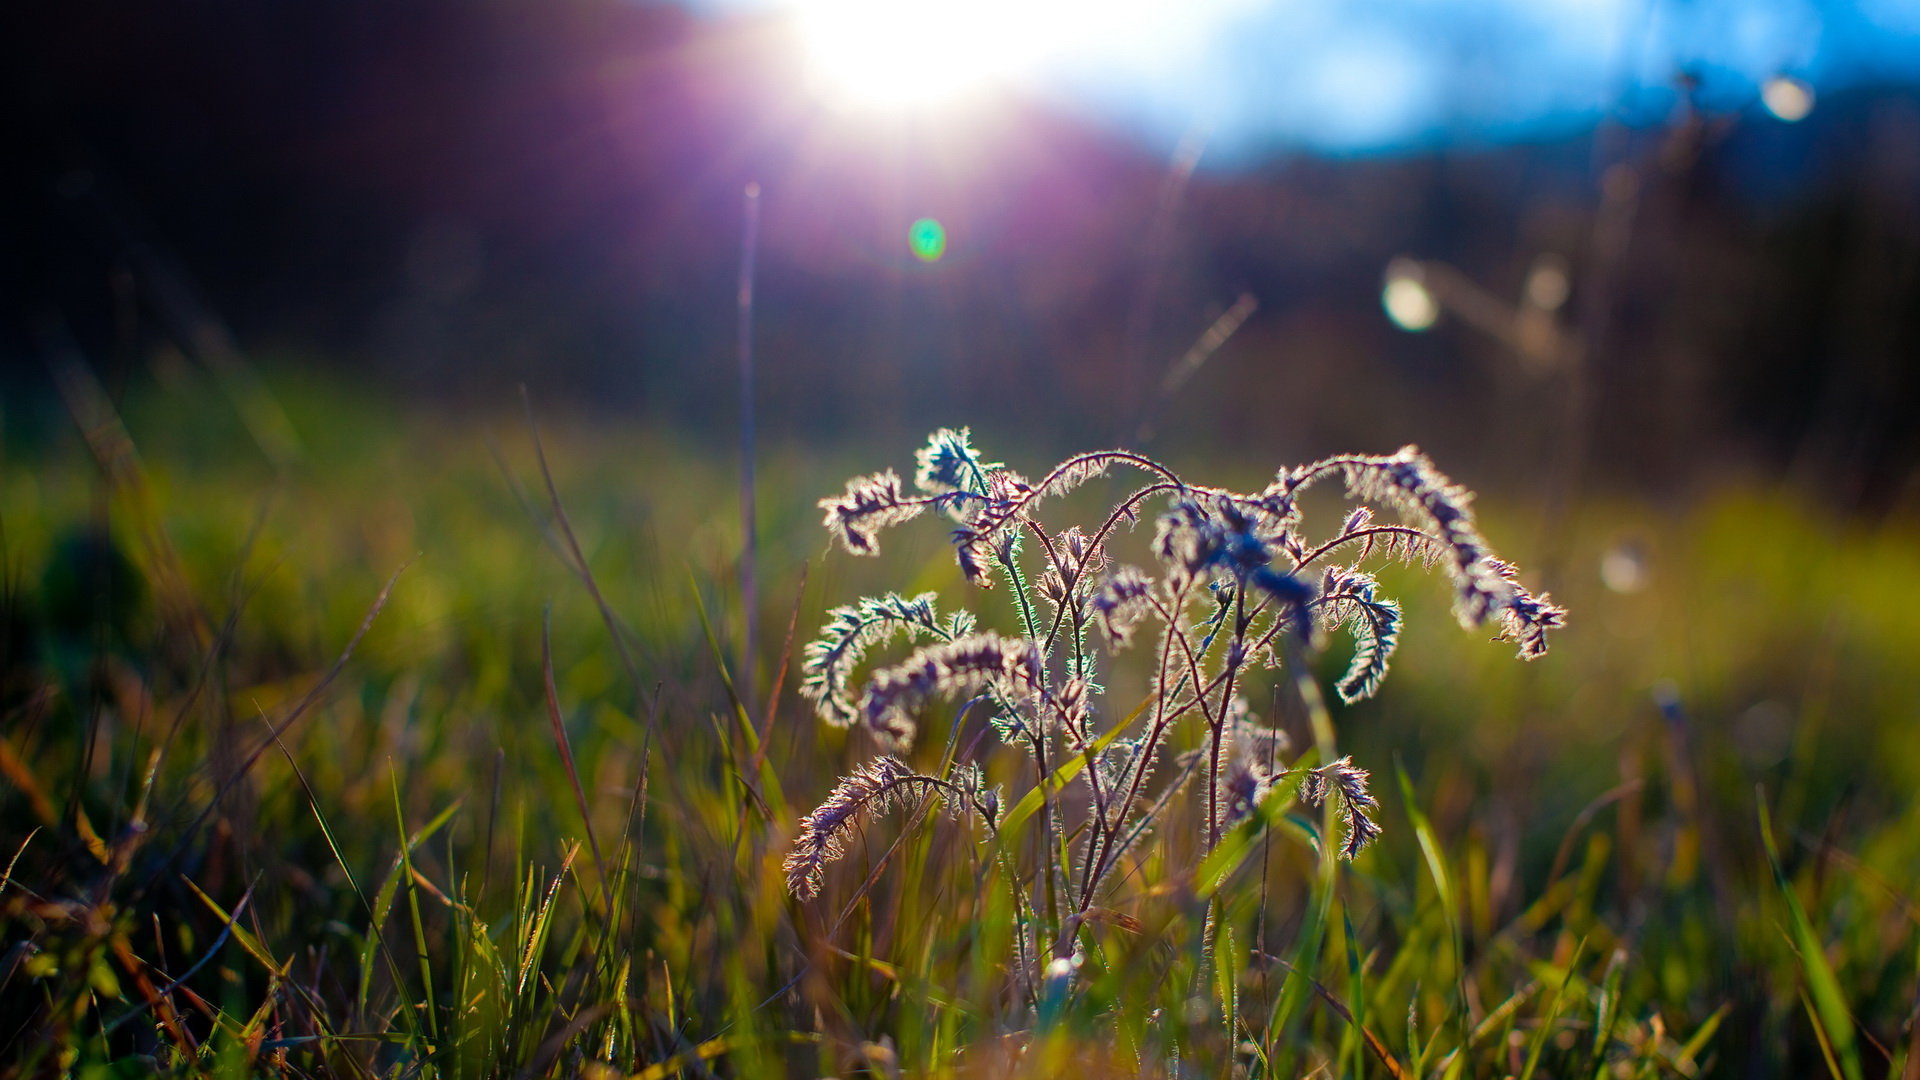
(894,55)
(905,55)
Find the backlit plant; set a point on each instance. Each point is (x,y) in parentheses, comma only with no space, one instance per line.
(1237,590)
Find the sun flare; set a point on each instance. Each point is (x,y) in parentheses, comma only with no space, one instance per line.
(894,54)
(906,54)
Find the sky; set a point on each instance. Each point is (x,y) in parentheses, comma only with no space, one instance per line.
(1260,76)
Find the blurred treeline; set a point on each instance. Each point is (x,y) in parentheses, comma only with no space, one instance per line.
(450,198)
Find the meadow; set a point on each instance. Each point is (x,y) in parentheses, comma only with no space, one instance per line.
(394,759)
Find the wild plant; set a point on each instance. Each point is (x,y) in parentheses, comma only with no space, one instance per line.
(1238,593)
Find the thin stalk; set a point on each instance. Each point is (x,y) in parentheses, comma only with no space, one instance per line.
(493,813)
(1114,517)
(749,585)
(1160,722)
(566,758)
(1218,723)
(299,710)
(1038,741)
(1307,950)
(1019,590)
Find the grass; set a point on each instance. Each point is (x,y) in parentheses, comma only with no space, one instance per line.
(1684,843)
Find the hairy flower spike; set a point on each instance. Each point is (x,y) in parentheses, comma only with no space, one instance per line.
(869,790)
(1122,601)
(1360,518)
(947,463)
(1527,620)
(1244,784)
(1347,784)
(1293,594)
(1078,561)
(1351,598)
(1409,483)
(967,790)
(1010,667)
(1067,705)
(972,556)
(1527,617)
(949,468)
(827,664)
(1247,776)
(1219,536)
(871,503)
(1009,496)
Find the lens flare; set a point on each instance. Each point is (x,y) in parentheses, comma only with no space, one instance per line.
(927,239)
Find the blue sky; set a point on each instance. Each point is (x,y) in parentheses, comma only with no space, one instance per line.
(1260,76)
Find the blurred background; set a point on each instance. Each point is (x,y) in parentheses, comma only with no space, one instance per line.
(439,201)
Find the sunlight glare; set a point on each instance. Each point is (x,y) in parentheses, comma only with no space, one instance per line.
(892,54)
(897,55)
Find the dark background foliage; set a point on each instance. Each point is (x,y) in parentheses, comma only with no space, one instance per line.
(453,198)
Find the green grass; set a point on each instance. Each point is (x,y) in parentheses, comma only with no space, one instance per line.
(1573,881)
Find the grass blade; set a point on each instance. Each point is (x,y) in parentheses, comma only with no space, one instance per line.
(1356,988)
(383,900)
(566,757)
(1437,868)
(413,906)
(247,941)
(1833,1013)
(1607,1016)
(769,792)
(1545,1031)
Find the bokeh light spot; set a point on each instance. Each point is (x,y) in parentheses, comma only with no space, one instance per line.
(1409,304)
(927,239)
(1624,570)
(1548,283)
(1787,98)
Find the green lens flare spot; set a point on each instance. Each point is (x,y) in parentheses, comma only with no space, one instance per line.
(927,239)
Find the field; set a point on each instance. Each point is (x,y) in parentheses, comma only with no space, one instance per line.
(246,837)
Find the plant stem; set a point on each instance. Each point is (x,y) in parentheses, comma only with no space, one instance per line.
(749,584)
